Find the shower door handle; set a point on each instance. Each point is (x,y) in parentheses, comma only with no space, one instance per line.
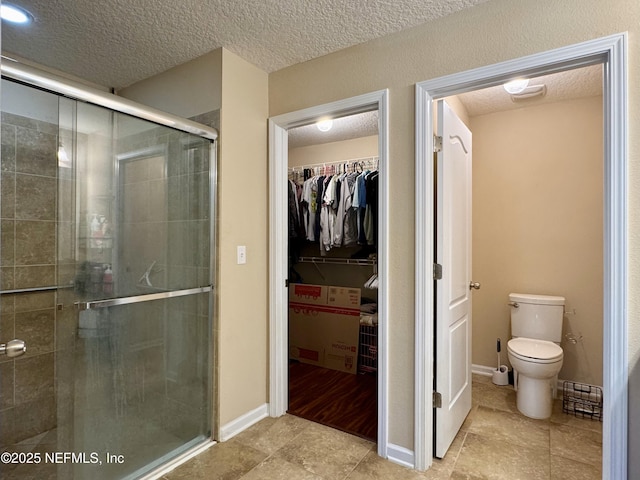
(14,348)
(115,302)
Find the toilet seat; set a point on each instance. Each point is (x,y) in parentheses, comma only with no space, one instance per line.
(535,351)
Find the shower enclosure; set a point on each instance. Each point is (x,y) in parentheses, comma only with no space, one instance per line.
(107,228)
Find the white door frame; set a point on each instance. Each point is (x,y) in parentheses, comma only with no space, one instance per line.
(612,52)
(278,243)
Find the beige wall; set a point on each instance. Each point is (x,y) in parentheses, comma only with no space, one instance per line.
(186,90)
(334,151)
(494,31)
(243,194)
(537,224)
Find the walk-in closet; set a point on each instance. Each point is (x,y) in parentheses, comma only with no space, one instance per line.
(333,277)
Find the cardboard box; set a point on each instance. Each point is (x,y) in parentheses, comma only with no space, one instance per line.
(324,326)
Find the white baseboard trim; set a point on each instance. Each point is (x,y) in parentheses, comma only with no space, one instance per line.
(234,427)
(482,370)
(488,372)
(401,455)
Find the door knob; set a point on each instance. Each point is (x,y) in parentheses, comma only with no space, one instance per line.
(14,348)
(474,285)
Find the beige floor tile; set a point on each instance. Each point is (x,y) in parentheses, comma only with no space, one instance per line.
(576,444)
(445,465)
(469,420)
(493,396)
(510,427)
(326,452)
(495,442)
(565,469)
(484,458)
(274,468)
(437,473)
(271,434)
(561,418)
(468,476)
(224,461)
(486,379)
(373,467)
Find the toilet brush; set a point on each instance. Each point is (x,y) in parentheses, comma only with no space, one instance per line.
(500,374)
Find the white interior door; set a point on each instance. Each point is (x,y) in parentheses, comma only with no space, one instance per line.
(453,295)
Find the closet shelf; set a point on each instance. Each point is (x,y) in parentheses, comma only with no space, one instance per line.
(338,261)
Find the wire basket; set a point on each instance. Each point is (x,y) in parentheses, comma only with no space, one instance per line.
(582,400)
(368,361)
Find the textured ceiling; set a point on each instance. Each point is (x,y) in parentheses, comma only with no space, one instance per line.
(115,43)
(345,128)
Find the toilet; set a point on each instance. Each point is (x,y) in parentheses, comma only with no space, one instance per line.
(534,350)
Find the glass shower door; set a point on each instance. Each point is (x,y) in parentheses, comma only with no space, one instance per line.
(133,242)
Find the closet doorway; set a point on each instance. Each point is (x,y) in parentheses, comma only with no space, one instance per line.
(323,274)
(333,282)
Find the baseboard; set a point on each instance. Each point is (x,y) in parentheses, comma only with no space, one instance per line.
(482,370)
(234,427)
(488,372)
(401,456)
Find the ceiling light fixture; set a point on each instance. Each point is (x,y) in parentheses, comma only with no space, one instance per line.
(324,125)
(531,91)
(516,86)
(14,14)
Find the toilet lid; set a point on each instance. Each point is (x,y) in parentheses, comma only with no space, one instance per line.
(541,351)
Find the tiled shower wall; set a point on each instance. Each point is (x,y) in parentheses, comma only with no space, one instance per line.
(28,260)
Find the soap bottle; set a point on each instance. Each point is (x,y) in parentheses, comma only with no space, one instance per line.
(107,280)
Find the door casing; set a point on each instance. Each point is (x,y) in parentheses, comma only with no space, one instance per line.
(278,238)
(612,52)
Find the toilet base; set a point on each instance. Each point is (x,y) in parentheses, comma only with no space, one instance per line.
(534,397)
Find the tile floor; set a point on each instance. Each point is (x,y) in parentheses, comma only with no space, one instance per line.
(495,442)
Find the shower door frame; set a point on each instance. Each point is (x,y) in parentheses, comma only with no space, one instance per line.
(36,78)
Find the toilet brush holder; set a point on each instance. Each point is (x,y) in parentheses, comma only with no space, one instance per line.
(501,375)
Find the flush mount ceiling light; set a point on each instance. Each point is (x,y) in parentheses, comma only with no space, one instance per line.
(530,92)
(324,125)
(14,14)
(516,86)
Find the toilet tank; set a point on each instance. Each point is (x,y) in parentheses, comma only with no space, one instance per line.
(536,316)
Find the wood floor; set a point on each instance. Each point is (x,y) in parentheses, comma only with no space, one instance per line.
(339,400)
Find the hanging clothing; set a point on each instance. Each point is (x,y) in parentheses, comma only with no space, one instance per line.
(336,210)
(310,207)
(350,225)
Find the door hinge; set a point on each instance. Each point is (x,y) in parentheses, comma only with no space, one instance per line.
(437,271)
(437,143)
(286,283)
(437,400)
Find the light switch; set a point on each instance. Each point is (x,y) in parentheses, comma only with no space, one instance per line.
(242,254)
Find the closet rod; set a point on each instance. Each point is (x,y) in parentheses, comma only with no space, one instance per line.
(337,261)
(336,162)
